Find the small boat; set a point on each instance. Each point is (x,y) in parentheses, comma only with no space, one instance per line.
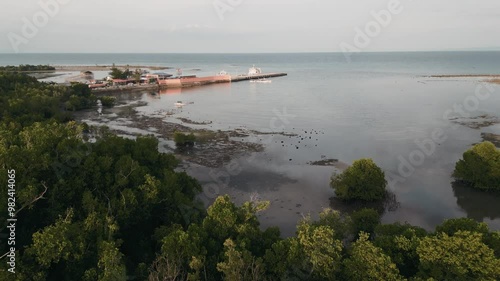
(262,80)
(254,71)
(179,104)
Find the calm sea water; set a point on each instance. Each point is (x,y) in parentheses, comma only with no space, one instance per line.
(421,63)
(378,106)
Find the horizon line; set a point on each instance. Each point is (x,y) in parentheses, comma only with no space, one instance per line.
(210,53)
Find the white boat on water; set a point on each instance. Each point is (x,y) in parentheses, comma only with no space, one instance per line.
(262,80)
(179,104)
(254,71)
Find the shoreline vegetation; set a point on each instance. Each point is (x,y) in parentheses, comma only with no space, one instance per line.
(463,75)
(103,207)
(213,148)
(494,81)
(28,68)
(107,67)
(53,68)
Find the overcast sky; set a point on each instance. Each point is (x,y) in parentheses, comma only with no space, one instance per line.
(164,26)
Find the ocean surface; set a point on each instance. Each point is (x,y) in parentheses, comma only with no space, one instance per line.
(379,105)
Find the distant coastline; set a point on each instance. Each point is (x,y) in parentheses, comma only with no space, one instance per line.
(489,78)
(105,67)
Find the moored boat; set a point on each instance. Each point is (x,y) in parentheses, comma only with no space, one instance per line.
(262,80)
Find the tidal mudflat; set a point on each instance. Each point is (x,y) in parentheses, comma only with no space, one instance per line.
(242,154)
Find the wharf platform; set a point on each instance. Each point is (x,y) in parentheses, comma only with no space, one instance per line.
(188,81)
(193,81)
(239,78)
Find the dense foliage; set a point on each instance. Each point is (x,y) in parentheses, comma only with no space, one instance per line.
(115,209)
(27,68)
(365,220)
(228,245)
(107,100)
(85,209)
(23,100)
(117,73)
(363,180)
(182,139)
(480,167)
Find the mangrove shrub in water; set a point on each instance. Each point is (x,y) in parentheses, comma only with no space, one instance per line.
(108,100)
(182,139)
(364,180)
(480,167)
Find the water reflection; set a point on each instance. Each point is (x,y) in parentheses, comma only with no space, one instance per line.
(477,204)
(171,91)
(389,204)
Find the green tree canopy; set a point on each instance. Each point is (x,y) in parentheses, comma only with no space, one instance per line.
(452,226)
(462,256)
(27,68)
(240,264)
(367,262)
(480,167)
(363,180)
(117,73)
(365,220)
(400,242)
(315,252)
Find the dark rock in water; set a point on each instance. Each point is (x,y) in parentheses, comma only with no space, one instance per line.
(290,159)
(325,162)
(476,122)
(495,139)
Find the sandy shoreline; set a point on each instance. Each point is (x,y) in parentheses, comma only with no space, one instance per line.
(464,75)
(489,78)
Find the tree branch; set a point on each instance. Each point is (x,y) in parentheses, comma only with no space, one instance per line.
(40,196)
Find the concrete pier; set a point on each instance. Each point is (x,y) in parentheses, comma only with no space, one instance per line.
(239,78)
(185,82)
